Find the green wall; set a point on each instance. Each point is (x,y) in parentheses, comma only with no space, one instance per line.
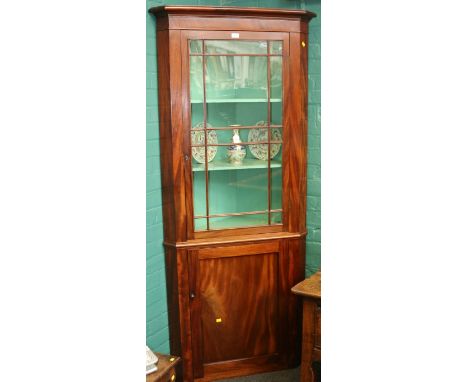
(157,334)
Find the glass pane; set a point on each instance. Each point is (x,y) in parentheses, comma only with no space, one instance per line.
(236,78)
(236,97)
(199,190)
(276,90)
(276,105)
(197,137)
(232,132)
(196,79)
(200,224)
(276,180)
(235,47)
(236,113)
(276,47)
(197,116)
(277,113)
(260,150)
(276,70)
(196,46)
(276,217)
(239,221)
(237,187)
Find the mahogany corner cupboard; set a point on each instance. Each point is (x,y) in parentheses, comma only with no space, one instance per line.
(232,88)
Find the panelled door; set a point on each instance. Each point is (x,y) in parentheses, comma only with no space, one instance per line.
(238,305)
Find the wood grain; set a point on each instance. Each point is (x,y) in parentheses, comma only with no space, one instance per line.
(231,11)
(217,18)
(242,293)
(180,328)
(246,238)
(310,287)
(234,251)
(240,367)
(165,136)
(296,122)
(295,273)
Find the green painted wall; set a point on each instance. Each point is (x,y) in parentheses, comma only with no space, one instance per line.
(157,335)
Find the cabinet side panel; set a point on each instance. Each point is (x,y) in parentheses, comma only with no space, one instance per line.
(297,123)
(178,308)
(165,134)
(296,273)
(284,290)
(304,132)
(177,129)
(187,123)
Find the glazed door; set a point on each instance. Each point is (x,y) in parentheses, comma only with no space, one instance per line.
(238,309)
(234,92)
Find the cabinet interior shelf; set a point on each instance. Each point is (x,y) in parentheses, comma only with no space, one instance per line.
(225,165)
(235,100)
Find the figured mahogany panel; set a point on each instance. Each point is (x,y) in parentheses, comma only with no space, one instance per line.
(171,135)
(235,23)
(239,312)
(232,18)
(240,367)
(296,120)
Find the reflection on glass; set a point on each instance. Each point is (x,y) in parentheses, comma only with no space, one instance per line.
(236,113)
(196,46)
(236,77)
(235,47)
(239,221)
(276,217)
(199,192)
(200,224)
(276,90)
(276,47)
(276,181)
(196,78)
(276,113)
(276,72)
(233,190)
(197,115)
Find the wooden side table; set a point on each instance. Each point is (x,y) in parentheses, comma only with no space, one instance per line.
(166,369)
(310,290)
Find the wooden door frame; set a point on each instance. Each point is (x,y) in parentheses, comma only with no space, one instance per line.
(185,36)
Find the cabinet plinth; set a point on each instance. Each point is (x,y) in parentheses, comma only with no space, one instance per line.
(233,140)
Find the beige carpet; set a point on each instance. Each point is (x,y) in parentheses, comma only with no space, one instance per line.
(291,375)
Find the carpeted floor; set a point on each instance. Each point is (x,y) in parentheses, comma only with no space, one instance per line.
(291,375)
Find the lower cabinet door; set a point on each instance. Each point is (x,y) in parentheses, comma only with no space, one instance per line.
(236,308)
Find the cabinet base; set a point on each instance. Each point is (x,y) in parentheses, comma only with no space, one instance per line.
(241,367)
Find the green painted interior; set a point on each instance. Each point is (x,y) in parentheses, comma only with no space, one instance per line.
(236,190)
(236,94)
